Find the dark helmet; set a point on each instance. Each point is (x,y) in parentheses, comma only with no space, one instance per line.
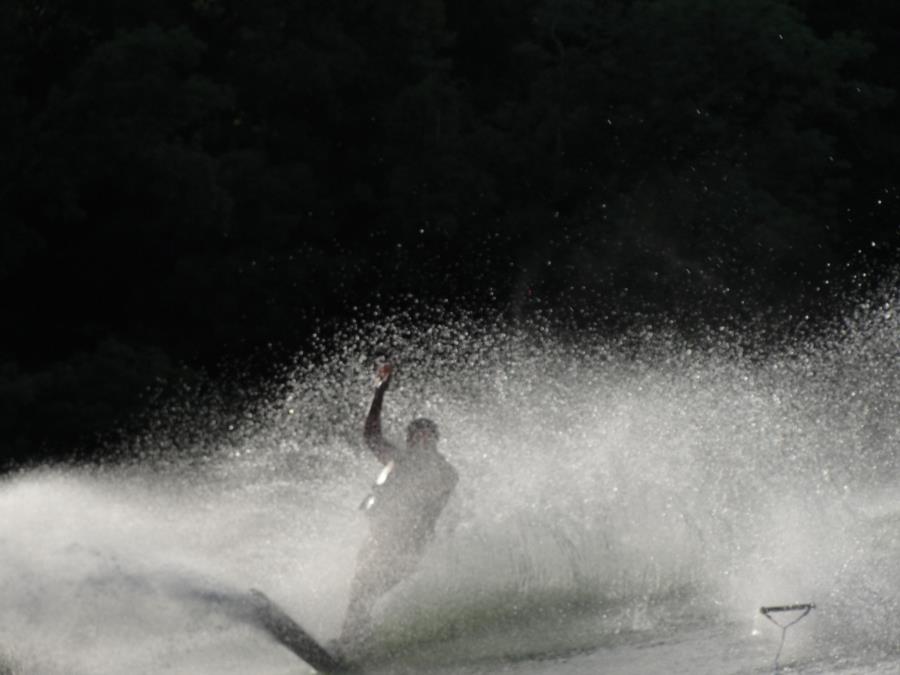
(420,431)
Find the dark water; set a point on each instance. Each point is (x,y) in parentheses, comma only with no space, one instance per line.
(624,506)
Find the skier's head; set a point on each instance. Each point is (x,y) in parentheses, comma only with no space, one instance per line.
(422,434)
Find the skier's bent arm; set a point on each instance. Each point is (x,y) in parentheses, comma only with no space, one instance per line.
(383,449)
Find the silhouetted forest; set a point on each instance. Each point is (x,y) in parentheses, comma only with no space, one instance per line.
(186,184)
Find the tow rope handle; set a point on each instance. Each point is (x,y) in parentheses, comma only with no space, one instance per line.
(767,612)
(805,607)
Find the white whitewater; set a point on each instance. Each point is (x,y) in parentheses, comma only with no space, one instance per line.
(624,506)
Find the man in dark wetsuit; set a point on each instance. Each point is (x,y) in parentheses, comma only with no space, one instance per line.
(404,506)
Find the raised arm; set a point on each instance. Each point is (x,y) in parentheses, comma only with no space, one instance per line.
(375,440)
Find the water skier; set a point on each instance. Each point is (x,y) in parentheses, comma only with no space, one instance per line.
(406,502)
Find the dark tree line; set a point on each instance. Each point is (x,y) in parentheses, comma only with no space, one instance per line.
(183,183)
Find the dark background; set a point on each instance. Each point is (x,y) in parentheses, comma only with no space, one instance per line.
(189,190)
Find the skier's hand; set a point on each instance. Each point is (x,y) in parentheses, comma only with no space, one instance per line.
(383,372)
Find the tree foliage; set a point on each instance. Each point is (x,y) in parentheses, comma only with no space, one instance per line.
(182,183)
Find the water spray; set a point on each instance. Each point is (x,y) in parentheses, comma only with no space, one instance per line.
(767,612)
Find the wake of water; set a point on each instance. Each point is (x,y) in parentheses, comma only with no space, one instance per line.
(608,488)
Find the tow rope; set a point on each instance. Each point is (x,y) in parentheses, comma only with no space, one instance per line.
(767,612)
